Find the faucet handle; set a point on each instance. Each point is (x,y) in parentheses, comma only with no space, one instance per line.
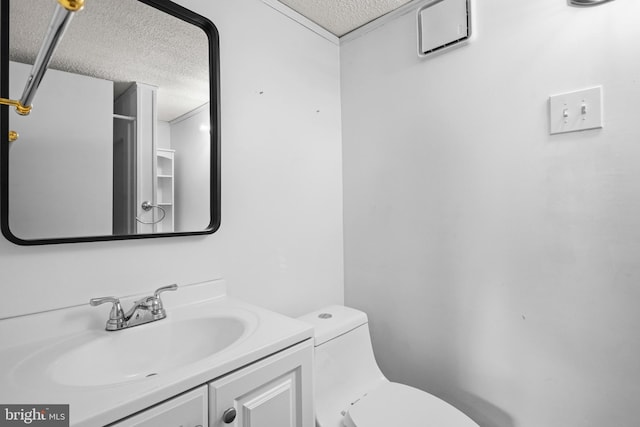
(156,305)
(115,301)
(116,316)
(164,289)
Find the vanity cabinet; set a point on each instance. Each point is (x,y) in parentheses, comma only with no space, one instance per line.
(187,410)
(276,391)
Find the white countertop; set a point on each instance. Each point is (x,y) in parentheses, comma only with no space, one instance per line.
(29,343)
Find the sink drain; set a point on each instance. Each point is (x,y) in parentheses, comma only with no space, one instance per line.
(151,374)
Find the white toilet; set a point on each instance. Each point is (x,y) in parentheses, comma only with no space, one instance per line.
(350,389)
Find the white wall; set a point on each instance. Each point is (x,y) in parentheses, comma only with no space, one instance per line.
(63,156)
(498,264)
(280,244)
(164,134)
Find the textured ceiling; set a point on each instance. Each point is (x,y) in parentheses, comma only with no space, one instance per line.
(342,16)
(131,42)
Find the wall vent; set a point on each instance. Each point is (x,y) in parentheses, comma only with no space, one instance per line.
(442,25)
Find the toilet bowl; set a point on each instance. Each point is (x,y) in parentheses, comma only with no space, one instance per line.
(350,389)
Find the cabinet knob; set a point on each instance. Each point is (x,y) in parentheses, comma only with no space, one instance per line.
(229,415)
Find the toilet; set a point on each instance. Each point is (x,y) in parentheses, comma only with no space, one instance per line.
(351,391)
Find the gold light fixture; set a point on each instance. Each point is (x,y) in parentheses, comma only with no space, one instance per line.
(59,23)
(20,109)
(72,5)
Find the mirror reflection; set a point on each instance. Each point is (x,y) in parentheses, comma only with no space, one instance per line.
(119,139)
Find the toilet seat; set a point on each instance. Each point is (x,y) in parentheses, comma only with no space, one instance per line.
(394,404)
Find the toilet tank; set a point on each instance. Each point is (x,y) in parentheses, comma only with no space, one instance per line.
(345,367)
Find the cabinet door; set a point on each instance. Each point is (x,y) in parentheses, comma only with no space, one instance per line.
(274,392)
(187,410)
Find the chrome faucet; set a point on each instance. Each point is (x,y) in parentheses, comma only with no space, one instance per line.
(148,309)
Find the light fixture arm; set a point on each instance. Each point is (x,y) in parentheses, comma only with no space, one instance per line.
(58,25)
(587,2)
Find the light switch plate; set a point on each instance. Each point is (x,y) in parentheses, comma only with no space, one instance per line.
(575,111)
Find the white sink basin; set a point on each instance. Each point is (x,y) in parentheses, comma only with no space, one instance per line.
(101,358)
(66,356)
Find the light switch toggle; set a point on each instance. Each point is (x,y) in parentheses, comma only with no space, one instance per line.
(583,110)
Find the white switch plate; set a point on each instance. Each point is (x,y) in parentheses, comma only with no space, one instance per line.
(575,111)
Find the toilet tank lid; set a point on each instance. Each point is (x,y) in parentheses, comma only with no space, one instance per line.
(333,321)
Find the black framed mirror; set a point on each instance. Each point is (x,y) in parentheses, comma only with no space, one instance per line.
(123,138)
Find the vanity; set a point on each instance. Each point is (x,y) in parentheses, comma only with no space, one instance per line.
(213,361)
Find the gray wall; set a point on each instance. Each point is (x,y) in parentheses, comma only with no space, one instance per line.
(189,137)
(499,265)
